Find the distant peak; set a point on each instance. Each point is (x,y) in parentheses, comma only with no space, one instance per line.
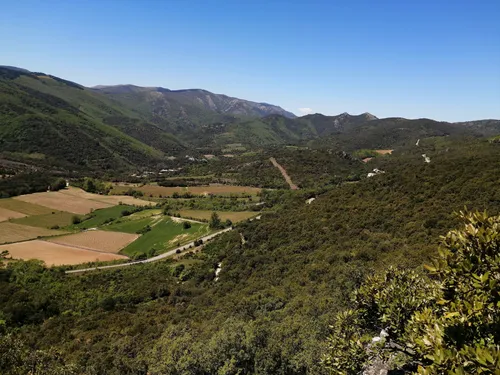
(369,116)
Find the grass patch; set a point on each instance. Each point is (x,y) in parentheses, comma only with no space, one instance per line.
(127,225)
(164,236)
(100,217)
(58,218)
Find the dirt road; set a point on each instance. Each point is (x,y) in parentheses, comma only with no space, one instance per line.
(285,175)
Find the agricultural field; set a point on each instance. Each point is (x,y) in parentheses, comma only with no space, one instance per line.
(109,199)
(56,219)
(6,214)
(54,254)
(150,190)
(63,202)
(12,232)
(235,217)
(104,241)
(24,207)
(100,217)
(94,228)
(165,234)
(76,200)
(215,189)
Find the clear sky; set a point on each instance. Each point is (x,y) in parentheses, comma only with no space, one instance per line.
(410,58)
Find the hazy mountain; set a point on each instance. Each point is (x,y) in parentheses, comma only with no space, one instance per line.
(165,102)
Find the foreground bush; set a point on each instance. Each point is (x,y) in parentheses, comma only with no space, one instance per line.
(443,322)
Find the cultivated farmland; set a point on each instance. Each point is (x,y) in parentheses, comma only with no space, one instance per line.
(110,242)
(11,232)
(109,199)
(205,215)
(54,254)
(6,214)
(164,235)
(63,202)
(77,201)
(215,189)
(24,207)
(58,218)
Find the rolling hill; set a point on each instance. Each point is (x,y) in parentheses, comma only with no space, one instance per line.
(47,121)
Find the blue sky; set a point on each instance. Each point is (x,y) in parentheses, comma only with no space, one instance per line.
(436,59)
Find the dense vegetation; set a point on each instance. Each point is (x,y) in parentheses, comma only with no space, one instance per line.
(54,123)
(278,291)
(448,324)
(30,182)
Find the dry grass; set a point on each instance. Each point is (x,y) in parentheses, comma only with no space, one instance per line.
(54,254)
(216,189)
(109,199)
(6,214)
(64,202)
(384,152)
(150,190)
(105,241)
(205,215)
(24,207)
(11,232)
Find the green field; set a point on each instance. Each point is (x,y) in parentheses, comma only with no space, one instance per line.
(130,226)
(98,217)
(58,218)
(164,235)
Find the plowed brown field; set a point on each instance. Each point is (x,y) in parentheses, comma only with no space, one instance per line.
(55,254)
(11,232)
(97,240)
(64,202)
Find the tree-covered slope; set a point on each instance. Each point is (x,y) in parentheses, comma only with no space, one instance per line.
(277,293)
(52,122)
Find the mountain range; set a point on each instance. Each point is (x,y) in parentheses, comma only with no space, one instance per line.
(49,121)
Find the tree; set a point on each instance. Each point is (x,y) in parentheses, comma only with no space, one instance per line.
(76,219)
(215,222)
(89,185)
(58,184)
(186,225)
(447,323)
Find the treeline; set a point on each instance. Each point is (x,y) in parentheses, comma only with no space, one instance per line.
(308,168)
(30,182)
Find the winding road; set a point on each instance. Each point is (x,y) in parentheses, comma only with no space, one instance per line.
(153,259)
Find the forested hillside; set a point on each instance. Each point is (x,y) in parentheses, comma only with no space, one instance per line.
(277,292)
(55,123)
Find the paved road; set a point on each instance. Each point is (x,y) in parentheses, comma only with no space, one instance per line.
(153,259)
(284,174)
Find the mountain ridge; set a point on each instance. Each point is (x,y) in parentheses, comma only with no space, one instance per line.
(220,103)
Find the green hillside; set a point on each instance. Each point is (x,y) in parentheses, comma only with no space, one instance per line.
(51,122)
(270,310)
